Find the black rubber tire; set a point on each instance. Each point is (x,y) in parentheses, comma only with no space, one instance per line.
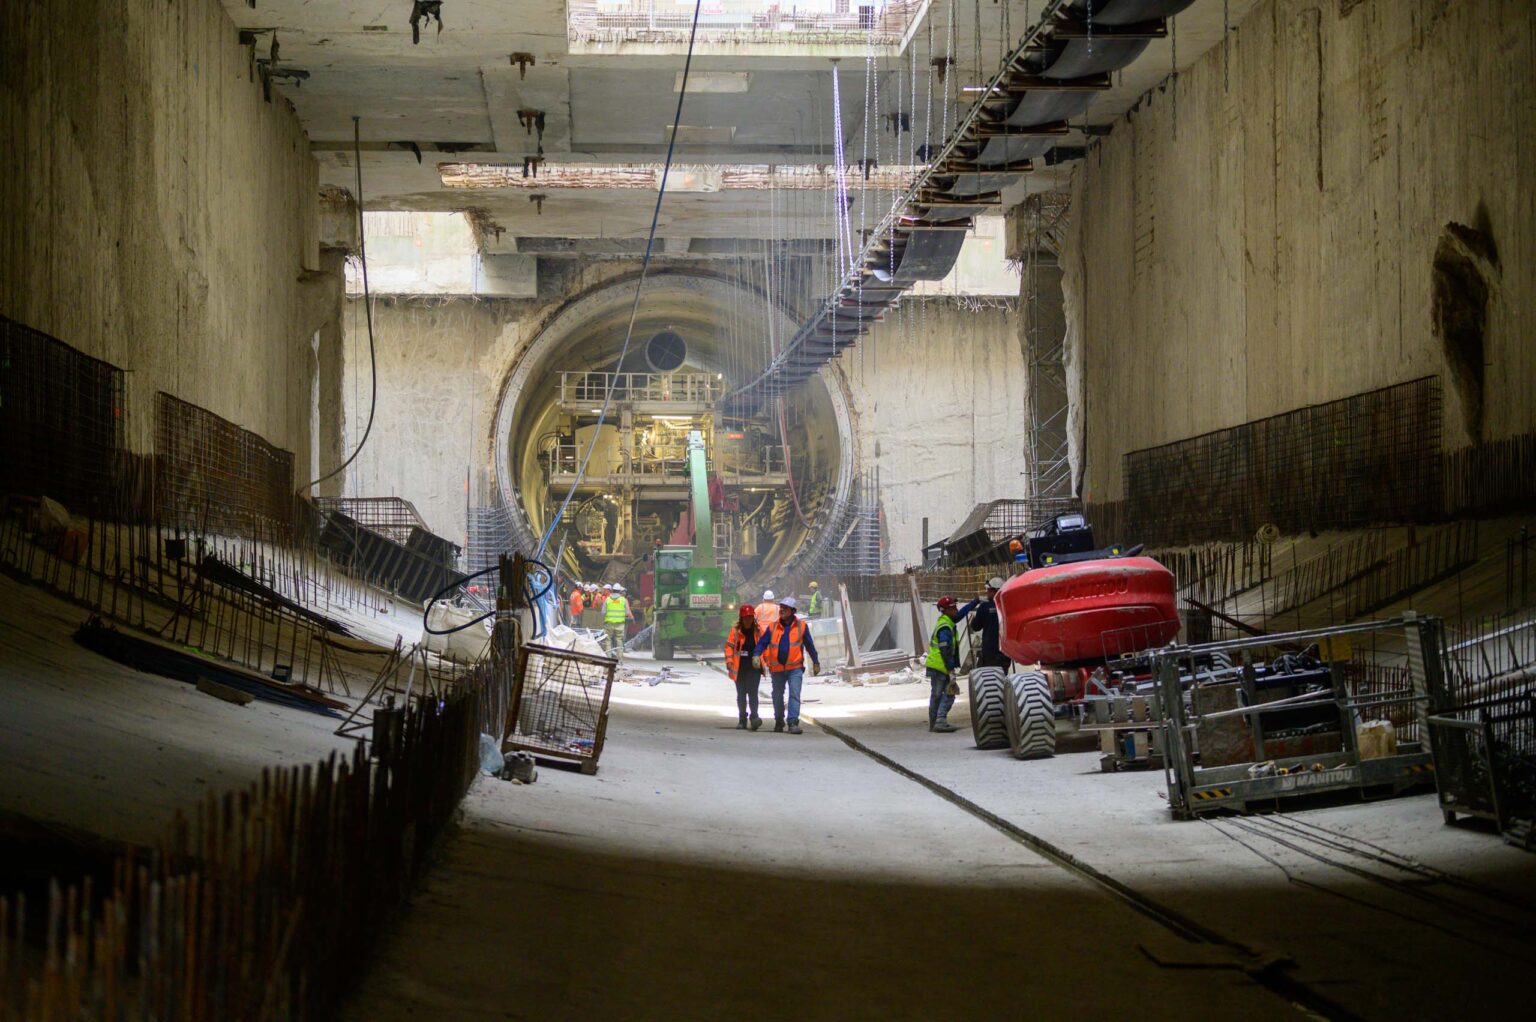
(1030,715)
(987,685)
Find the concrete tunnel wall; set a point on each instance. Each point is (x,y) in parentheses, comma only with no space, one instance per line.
(1252,240)
(935,395)
(159,213)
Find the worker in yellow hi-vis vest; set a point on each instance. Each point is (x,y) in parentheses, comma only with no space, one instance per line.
(942,661)
(616,614)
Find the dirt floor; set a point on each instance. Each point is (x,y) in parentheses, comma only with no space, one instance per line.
(710,873)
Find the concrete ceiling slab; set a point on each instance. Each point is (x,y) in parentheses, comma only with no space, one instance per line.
(460,87)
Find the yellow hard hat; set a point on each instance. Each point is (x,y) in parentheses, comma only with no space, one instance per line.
(814,585)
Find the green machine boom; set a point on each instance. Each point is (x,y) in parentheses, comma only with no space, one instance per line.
(692,610)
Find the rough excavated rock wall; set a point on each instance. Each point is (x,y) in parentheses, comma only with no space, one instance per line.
(938,394)
(435,393)
(442,361)
(158,213)
(1285,237)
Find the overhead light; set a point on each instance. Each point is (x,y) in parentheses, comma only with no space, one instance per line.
(597,411)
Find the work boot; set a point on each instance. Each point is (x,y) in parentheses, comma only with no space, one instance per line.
(778,725)
(757,722)
(943,727)
(794,727)
(741,725)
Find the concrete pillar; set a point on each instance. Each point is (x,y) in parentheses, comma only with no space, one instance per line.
(331,364)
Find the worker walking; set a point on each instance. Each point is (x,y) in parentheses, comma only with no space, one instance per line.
(983,614)
(781,651)
(616,614)
(943,658)
(740,657)
(813,608)
(767,611)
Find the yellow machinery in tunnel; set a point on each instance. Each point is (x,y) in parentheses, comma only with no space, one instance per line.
(769,472)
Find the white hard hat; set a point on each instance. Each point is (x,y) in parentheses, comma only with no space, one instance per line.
(995,582)
(618,588)
(768,595)
(789,601)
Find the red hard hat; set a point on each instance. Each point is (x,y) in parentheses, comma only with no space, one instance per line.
(947,603)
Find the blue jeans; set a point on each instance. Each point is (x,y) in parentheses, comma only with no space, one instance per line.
(792,679)
(939,699)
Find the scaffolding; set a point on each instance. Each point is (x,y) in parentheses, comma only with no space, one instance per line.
(1048,472)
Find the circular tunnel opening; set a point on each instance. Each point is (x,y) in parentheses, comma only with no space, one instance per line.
(771,472)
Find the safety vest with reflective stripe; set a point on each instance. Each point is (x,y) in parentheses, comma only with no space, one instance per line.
(738,648)
(935,654)
(796,646)
(614,611)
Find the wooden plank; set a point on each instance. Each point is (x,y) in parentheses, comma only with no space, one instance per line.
(224,692)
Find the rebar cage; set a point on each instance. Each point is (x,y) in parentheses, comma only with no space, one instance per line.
(559,705)
(1249,722)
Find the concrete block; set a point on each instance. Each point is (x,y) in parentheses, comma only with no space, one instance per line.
(508,276)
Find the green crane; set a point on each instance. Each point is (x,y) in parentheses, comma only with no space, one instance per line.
(691,605)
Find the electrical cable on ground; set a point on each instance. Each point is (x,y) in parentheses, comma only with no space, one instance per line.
(634,311)
(373,359)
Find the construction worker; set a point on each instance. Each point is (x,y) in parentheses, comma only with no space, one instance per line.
(578,604)
(943,658)
(767,611)
(983,614)
(813,608)
(740,660)
(616,614)
(781,651)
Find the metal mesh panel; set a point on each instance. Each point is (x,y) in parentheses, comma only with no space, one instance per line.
(560,703)
(489,537)
(392,517)
(212,475)
(1369,459)
(61,414)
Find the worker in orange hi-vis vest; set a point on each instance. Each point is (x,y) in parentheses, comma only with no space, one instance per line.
(781,652)
(767,611)
(578,604)
(740,660)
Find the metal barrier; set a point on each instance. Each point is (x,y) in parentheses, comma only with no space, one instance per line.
(589,389)
(559,705)
(1482,728)
(1304,722)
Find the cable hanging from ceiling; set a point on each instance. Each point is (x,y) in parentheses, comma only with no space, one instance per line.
(634,311)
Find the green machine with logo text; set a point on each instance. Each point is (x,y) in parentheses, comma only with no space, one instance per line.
(693,611)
